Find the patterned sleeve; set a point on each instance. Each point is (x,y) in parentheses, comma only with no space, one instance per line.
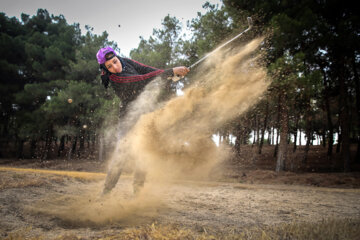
(144,69)
(141,68)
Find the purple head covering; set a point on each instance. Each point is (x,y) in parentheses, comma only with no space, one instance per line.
(101,54)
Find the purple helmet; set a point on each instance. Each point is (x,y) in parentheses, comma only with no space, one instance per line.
(101,54)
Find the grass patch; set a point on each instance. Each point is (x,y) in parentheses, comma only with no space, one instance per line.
(332,229)
(89,176)
(21,180)
(22,234)
(346,229)
(23,177)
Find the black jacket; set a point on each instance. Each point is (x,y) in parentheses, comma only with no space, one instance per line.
(134,77)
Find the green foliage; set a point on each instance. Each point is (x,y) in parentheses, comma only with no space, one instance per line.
(77,105)
(44,61)
(50,83)
(313,50)
(209,30)
(162,49)
(84,68)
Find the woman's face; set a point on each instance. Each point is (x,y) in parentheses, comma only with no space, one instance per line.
(113,65)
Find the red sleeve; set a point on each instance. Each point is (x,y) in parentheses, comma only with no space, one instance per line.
(142,68)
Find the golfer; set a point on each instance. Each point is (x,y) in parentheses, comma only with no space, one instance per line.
(128,78)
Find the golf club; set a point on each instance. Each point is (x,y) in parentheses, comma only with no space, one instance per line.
(250,23)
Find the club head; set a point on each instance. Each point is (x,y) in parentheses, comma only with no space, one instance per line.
(176,78)
(250,22)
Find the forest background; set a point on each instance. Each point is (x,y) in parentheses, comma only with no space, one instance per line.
(53,104)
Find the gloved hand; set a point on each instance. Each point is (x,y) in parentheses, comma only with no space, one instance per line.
(179,72)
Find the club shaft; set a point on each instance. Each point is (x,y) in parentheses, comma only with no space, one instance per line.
(218,48)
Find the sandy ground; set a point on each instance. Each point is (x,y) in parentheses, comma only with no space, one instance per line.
(50,205)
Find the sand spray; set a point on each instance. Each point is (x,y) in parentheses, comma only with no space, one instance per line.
(174,141)
(171,140)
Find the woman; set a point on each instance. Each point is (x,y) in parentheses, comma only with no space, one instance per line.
(128,78)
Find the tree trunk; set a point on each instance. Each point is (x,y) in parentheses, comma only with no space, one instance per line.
(69,152)
(277,127)
(61,146)
(295,140)
(269,136)
(258,130)
(296,130)
(227,139)
(48,142)
(101,148)
(264,127)
(344,123)
(238,140)
(72,148)
(82,140)
(4,141)
(288,137)
(237,146)
(20,149)
(33,148)
(245,134)
(357,91)
(55,142)
(338,146)
(81,143)
(330,125)
(308,134)
(282,154)
(255,131)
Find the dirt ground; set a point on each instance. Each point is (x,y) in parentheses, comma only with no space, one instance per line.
(57,199)
(50,203)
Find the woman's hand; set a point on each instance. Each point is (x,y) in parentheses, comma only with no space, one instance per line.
(180,71)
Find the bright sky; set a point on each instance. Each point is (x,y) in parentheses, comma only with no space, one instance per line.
(135,17)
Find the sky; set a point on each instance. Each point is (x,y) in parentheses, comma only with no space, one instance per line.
(135,17)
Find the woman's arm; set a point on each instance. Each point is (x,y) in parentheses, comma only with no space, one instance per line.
(140,67)
(168,73)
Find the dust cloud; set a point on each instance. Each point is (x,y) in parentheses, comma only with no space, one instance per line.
(172,140)
(74,210)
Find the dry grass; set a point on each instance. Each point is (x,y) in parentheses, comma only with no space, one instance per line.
(332,229)
(21,180)
(327,230)
(339,229)
(22,234)
(74,174)
(22,177)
